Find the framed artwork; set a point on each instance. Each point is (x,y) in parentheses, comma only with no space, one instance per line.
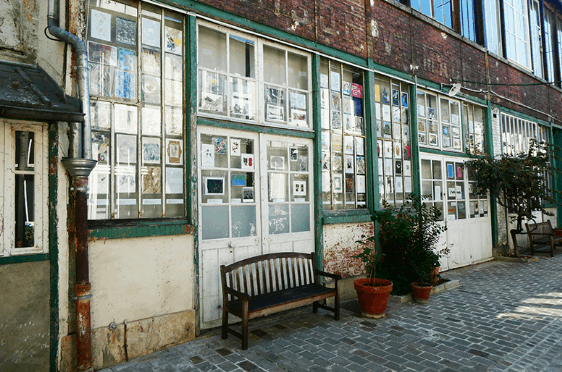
(150,150)
(234,147)
(337,183)
(207,155)
(349,164)
(294,153)
(214,186)
(247,161)
(299,188)
(247,195)
(126,149)
(174,152)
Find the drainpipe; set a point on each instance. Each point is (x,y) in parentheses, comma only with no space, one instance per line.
(79,164)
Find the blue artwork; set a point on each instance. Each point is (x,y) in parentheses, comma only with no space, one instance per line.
(127,59)
(124,84)
(238,180)
(405,100)
(357,105)
(450,173)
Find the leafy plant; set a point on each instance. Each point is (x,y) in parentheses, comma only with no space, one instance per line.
(408,236)
(519,181)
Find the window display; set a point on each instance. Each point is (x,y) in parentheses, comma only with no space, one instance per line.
(393,139)
(136,111)
(342,137)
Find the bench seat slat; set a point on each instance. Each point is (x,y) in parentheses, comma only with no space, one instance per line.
(280,297)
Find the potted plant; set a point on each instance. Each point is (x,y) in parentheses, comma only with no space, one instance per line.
(519,183)
(372,292)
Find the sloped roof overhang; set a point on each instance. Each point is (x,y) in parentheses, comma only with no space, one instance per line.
(28,92)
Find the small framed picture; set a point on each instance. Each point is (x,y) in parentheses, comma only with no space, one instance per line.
(214,186)
(247,161)
(247,195)
(294,153)
(337,183)
(174,151)
(349,164)
(299,188)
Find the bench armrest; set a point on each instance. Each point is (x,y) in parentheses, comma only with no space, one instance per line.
(543,233)
(329,275)
(233,292)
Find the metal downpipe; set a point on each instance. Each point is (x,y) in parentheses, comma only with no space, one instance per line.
(79,164)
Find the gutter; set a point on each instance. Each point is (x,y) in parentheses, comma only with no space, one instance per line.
(79,164)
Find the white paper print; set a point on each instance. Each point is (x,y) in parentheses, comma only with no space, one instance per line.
(247,161)
(388,168)
(174,180)
(398,185)
(407,168)
(151,121)
(174,40)
(125,119)
(234,147)
(126,149)
(100,25)
(277,186)
(388,149)
(326,182)
(360,181)
(348,144)
(299,188)
(151,32)
(407,184)
(207,155)
(359,146)
(335,80)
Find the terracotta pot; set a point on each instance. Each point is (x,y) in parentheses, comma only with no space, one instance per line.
(373,298)
(434,276)
(420,294)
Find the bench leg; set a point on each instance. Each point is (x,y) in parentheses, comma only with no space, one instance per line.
(337,306)
(315,307)
(245,326)
(224,323)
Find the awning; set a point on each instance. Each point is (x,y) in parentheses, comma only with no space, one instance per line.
(28,92)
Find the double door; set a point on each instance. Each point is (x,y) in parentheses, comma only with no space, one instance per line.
(447,184)
(256,197)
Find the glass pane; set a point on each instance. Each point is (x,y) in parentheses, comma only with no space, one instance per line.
(426,169)
(300,217)
(151,178)
(214,151)
(274,104)
(452,210)
(214,187)
(25,153)
(299,109)
(274,70)
(299,158)
(277,156)
(151,32)
(437,170)
(175,181)
(242,187)
(244,221)
(243,98)
(126,199)
(298,71)
(278,219)
(242,56)
(212,96)
(461,212)
(212,49)
(24,207)
(277,186)
(438,190)
(214,224)
(98,193)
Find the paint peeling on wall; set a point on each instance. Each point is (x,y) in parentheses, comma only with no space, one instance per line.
(340,245)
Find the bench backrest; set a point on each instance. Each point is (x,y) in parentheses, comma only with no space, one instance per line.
(269,273)
(539,228)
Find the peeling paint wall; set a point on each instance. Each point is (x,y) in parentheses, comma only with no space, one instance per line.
(340,245)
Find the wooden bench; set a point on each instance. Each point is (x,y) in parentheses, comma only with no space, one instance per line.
(542,234)
(270,283)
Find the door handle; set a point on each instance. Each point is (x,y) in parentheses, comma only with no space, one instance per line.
(231,245)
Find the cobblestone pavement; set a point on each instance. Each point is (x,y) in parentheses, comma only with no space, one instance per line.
(504,316)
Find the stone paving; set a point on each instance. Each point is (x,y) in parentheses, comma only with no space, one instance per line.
(504,316)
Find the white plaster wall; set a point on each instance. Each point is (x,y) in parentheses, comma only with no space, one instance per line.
(140,278)
(340,245)
(50,53)
(540,217)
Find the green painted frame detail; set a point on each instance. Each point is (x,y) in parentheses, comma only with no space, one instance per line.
(317,151)
(504,110)
(142,229)
(346,217)
(263,29)
(53,247)
(448,153)
(190,51)
(489,143)
(25,258)
(415,144)
(254,128)
(557,181)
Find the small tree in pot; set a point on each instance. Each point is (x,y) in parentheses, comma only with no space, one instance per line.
(519,182)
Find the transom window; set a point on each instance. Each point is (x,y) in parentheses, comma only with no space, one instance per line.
(245,78)
(136,88)
(517,134)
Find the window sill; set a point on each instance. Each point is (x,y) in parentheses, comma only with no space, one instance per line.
(24,258)
(123,229)
(335,217)
(256,127)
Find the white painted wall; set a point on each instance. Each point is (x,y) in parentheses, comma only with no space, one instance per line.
(540,217)
(140,278)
